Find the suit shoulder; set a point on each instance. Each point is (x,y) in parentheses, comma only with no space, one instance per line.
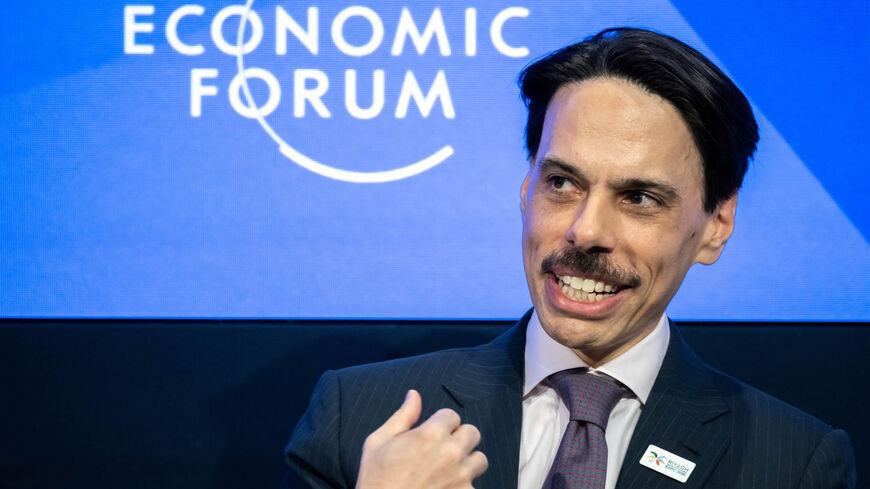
(765,411)
(806,449)
(698,381)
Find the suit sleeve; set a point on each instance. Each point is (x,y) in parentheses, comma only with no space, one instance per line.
(832,464)
(313,452)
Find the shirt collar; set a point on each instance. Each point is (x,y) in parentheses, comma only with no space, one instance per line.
(637,368)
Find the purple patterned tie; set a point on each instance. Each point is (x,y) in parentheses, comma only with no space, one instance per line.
(581,461)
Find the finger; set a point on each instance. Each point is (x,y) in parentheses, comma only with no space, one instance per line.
(445,419)
(476,463)
(404,418)
(467,436)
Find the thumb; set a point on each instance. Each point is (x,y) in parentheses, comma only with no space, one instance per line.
(405,417)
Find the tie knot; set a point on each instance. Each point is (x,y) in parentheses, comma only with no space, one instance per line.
(589,397)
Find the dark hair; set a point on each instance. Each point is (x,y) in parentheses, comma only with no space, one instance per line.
(716,111)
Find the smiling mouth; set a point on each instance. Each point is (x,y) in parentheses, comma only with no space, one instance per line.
(587,290)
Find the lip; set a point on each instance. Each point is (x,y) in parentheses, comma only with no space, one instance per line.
(584,310)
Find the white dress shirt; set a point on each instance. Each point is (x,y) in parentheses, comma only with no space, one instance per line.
(545,416)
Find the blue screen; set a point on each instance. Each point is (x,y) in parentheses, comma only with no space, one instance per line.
(319,160)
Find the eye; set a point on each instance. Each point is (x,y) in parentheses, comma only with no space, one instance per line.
(560,183)
(640,198)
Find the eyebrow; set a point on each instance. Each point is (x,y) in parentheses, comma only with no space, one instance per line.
(664,189)
(550,162)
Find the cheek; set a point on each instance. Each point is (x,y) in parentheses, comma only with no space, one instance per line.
(544,217)
(530,238)
(534,221)
(544,230)
(660,249)
(677,247)
(691,233)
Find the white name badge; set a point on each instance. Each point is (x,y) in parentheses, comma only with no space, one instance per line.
(667,463)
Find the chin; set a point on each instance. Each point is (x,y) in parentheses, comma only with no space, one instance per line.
(573,333)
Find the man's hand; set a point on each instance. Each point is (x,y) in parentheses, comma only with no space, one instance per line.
(435,455)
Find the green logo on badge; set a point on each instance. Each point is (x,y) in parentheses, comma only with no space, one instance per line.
(658,459)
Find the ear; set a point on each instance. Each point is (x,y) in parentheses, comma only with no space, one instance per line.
(719,227)
(524,190)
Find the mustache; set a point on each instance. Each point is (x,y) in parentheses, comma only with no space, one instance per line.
(590,264)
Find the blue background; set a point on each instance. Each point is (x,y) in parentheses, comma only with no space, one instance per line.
(115,202)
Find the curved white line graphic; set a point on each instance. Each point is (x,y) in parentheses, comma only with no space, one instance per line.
(319,168)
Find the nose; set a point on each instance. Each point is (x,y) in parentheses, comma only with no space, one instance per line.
(594,226)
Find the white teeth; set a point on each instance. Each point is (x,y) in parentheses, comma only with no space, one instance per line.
(585,289)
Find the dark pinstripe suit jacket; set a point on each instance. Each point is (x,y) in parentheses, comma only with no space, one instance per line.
(738,437)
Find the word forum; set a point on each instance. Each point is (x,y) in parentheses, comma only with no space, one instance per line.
(310,85)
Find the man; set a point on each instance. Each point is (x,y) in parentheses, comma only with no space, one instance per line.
(637,147)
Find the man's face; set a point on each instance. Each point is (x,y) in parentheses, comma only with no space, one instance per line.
(613,216)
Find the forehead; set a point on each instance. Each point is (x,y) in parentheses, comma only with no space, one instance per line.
(613,126)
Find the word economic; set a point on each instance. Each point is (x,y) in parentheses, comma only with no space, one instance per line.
(310,85)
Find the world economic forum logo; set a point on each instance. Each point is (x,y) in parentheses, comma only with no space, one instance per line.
(310,84)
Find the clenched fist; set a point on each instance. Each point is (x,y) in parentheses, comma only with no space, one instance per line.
(435,455)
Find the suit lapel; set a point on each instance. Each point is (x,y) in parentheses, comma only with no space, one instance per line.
(685,414)
(488,391)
